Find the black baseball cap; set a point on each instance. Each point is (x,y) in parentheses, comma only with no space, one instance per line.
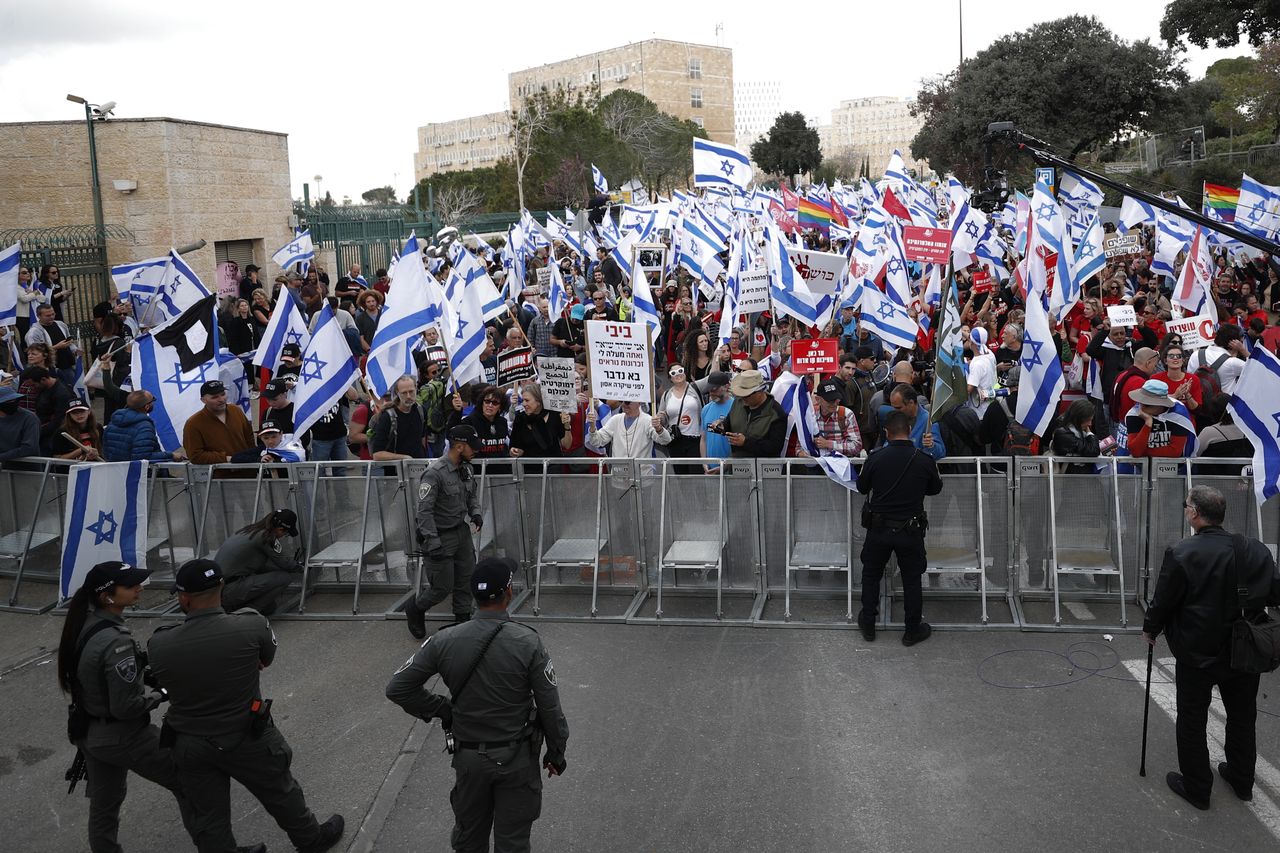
(491,578)
(275,388)
(212,388)
(466,433)
(103,576)
(197,576)
(719,379)
(291,351)
(830,391)
(864,352)
(286,518)
(268,426)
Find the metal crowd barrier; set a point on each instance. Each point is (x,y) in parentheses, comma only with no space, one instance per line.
(1025,542)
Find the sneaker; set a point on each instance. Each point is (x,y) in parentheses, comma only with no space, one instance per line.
(414,616)
(1241,791)
(330,832)
(1179,786)
(868,630)
(919,635)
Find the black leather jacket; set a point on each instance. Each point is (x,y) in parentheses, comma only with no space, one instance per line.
(1191,601)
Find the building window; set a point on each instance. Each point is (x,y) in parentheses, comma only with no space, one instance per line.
(695,69)
(238,252)
(695,98)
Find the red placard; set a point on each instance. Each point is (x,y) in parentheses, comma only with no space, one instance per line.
(931,245)
(981,281)
(815,356)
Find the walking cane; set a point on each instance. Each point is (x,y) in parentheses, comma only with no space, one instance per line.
(1146,711)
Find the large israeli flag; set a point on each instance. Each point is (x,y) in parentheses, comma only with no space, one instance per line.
(1258,209)
(1173,235)
(299,250)
(1134,213)
(718,165)
(106,519)
(327,372)
(598,181)
(887,319)
(1253,408)
(557,294)
(1048,237)
(414,302)
(158,369)
(10,265)
(787,288)
(475,276)
(286,326)
(464,331)
(1042,381)
(1090,260)
(792,393)
(161,295)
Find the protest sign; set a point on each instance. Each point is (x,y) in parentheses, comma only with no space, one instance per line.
(437,355)
(515,365)
(557,379)
(619,359)
(544,279)
(1196,332)
(753,292)
(823,272)
(1127,244)
(931,245)
(982,281)
(815,356)
(228,279)
(1122,315)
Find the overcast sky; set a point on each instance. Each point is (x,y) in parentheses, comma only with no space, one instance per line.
(351,81)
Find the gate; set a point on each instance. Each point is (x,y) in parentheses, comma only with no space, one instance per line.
(81,258)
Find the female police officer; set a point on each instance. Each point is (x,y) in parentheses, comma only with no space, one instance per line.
(102,668)
(254,565)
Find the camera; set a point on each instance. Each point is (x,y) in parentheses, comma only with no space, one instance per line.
(717,426)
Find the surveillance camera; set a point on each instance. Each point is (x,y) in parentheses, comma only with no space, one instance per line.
(104,110)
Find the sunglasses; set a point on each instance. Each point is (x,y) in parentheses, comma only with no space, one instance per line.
(492,402)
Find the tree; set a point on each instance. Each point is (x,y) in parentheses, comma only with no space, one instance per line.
(657,147)
(1070,82)
(455,205)
(527,122)
(1221,22)
(791,147)
(379,195)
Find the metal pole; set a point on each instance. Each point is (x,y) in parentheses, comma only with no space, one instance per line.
(961,4)
(1146,710)
(98,221)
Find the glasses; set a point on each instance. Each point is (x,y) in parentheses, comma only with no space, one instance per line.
(675,372)
(492,402)
(1173,356)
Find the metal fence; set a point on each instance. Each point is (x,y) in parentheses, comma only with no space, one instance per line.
(756,542)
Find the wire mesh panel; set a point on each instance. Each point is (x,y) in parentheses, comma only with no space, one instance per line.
(172,530)
(502,507)
(238,495)
(34,495)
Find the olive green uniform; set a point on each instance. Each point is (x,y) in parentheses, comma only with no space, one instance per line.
(498,787)
(256,572)
(209,664)
(447,498)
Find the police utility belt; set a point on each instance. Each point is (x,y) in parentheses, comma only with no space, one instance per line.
(880,521)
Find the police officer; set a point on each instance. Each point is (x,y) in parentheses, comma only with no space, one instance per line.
(102,668)
(220,726)
(497,672)
(255,569)
(897,477)
(448,497)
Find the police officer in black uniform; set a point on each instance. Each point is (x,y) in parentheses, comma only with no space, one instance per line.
(103,669)
(897,477)
(448,499)
(219,724)
(497,672)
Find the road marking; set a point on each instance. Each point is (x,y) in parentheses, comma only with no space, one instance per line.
(1079,609)
(1265,773)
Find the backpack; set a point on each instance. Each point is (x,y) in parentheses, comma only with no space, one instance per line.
(435,410)
(1018,440)
(1210,381)
(959,428)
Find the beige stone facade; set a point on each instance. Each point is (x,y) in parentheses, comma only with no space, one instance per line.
(226,185)
(465,143)
(871,127)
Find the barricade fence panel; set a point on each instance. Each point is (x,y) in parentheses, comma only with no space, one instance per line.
(604,525)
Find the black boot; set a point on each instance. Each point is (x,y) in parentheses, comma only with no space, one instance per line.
(414,616)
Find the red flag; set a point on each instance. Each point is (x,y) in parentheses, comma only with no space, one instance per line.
(785,219)
(895,207)
(838,216)
(790,201)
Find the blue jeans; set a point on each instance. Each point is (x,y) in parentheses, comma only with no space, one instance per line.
(325,450)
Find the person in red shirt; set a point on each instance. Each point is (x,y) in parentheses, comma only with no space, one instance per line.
(1183,387)
(1253,309)
(1150,433)
(1150,318)
(1271,338)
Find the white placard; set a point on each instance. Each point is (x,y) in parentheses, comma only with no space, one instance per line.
(1122,315)
(544,279)
(753,292)
(620,361)
(1196,332)
(558,381)
(823,271)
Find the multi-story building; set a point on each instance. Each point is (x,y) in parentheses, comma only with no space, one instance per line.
(464,143)
(756,104)
(873,128)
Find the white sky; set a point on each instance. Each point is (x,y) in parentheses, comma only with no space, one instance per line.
(350,82)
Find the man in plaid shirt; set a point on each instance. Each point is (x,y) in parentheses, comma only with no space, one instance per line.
(837,425)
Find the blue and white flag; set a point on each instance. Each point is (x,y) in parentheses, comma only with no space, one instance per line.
(598,181)
(10,265)
(327,372)
(887,319)
(1258,209)
(557,295)
(106,519)
(1048,237)
(787,288)
(716,164)
(160,288)
(1090,260)
(1134,213)
(464,331)
(1042,380)
(1173,235)
(286,326)
(732,285)
(486,251)
(474,277)
(158,368)
(792,393)
(1253,408)
(16,361)
(299,250)
(414,302)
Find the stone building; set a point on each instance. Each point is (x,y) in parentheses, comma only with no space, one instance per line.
(871,127)
(168,181)
(465,143)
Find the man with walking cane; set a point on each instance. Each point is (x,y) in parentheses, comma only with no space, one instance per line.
(1206,581)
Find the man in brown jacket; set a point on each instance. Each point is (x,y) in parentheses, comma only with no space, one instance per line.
(218,431)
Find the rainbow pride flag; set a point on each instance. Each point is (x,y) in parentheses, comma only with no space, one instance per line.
(1222,199)
(813,214)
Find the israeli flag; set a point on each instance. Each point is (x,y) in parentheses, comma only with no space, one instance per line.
(598,181)
(732,286)
(1173,235)
(10,265)
(145,275)
(231,372)
(887,319)
(1253,408)
(299,250)
(414,302)
(1042,379)
(106,519)
(1258,210)
(718,165)
(1090,260)
(486,250)
(464,332)
(1048,236)
(557,295)
(474,276)
(792,393)
(1192,289)
(1134,213)
(327,372)
(286,326)
(157,299)
(787,288)
(158,369)
(16,362)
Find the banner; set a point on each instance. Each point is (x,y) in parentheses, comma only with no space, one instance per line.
(1127,244)
(1196,332)
(931,245)
(558,381)
(823,272)
(753,292)
(815,356)
(515,365)
(228,279)
(619,359)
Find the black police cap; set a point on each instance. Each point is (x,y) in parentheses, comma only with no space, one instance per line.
(491,578)
(197,576)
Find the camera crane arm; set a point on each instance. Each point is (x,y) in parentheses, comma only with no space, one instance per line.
(1007,132)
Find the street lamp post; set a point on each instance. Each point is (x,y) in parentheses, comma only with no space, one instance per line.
(98,221)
